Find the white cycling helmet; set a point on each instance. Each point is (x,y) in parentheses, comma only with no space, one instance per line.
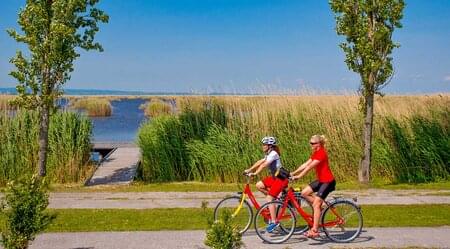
(269,141)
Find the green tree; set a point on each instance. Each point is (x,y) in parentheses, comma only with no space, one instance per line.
(52,30)
(368,26)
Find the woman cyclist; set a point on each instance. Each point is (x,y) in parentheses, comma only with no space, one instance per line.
(324,183)
(272,185)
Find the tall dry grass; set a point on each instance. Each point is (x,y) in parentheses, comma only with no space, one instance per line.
(215,138)
(94,106)
(5,102)
(157,107)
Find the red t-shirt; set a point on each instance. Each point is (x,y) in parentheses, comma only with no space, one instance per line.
(323,171)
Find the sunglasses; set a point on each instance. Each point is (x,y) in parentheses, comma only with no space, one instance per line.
(311,143)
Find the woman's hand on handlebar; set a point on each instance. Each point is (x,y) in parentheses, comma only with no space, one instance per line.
(248,173)
(292,178)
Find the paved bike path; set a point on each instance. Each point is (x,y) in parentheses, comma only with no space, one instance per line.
(437,237)
(146,200)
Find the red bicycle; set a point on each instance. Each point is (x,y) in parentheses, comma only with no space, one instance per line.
(341,220)
(242,212)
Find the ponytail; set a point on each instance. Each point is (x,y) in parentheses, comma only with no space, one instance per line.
(276,149)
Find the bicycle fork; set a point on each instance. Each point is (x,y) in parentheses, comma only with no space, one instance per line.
(240,206)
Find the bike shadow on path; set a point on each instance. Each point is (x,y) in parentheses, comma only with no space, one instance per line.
(322,239)
(293,240)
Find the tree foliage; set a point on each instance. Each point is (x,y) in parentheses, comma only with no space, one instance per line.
(368,26)
(52,30)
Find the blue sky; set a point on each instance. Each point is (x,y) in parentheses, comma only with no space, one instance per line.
(242,46)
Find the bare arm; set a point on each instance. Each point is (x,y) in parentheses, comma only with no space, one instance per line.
(301,167)
(254,166)
(307,168)
(263,165)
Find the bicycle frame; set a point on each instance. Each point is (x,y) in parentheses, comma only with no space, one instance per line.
(307,217)
(247,192)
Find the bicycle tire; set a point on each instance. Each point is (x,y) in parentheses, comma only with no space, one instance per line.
(280,234)
(351,225)
(243,219)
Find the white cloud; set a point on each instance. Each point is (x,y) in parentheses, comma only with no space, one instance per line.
(447,78)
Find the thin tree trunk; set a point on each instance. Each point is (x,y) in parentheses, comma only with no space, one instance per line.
(43,139)
(364,167)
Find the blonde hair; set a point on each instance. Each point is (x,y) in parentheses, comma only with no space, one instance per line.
(320,138)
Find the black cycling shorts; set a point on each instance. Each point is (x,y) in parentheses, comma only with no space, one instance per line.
(323,188)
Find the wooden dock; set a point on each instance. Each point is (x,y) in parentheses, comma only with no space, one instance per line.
(118,166)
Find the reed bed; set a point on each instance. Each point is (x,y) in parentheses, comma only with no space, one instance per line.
(157,107)
(68,152)
(5,102)
(94,106)
(216,138)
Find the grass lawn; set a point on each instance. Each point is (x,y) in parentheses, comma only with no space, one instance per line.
(75,220)
(233,187)
(444,185)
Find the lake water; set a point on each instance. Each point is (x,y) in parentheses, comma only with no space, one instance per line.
(122,125)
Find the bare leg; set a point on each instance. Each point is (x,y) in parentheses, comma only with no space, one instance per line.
(317,204)
(269,198)
(261,187)
(307,194)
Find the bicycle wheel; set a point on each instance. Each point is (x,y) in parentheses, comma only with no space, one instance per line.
(241,217)
(280,234)
(342,221)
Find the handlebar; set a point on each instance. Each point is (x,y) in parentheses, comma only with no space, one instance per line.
(248,176)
